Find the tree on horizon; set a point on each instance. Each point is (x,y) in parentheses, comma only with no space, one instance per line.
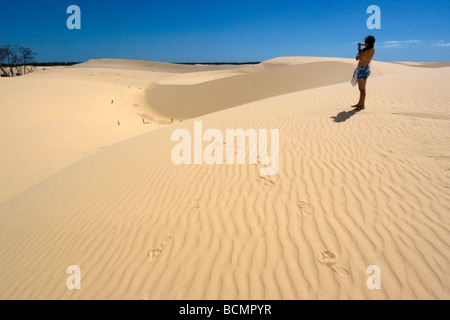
(16,60)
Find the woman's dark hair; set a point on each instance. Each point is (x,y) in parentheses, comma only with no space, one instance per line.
(370,40)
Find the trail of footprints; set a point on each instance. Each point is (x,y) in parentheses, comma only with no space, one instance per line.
(327,258)
(194,206)
(154,253)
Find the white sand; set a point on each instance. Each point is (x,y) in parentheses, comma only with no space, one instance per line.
(353,189)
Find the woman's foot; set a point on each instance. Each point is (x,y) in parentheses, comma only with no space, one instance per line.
(360,108)
(356,106)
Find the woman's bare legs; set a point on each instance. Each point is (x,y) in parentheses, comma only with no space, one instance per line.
(362,95)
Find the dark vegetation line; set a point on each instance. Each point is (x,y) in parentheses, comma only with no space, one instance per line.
(17,60)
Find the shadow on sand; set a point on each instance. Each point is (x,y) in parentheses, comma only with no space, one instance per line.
(344,115)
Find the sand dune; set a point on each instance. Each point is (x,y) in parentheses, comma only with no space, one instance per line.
(442,64)
(354,189)
(153,66)
(216,95)
(210,92)
(56,117)
(53,118)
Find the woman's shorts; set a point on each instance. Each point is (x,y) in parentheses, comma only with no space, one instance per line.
(362,73)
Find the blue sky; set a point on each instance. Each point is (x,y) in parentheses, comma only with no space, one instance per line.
(217,30)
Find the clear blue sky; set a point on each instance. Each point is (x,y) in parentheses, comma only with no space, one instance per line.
(217,30)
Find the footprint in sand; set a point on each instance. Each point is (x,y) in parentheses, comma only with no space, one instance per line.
(305,208)
(201,176)
(155,252)
(194,206)
(258,162)
(266,181)
(330,259)
(166,241)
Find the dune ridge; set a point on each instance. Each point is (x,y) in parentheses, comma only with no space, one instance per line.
(354,189)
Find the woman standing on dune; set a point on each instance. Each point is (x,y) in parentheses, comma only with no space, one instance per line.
(362,72)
